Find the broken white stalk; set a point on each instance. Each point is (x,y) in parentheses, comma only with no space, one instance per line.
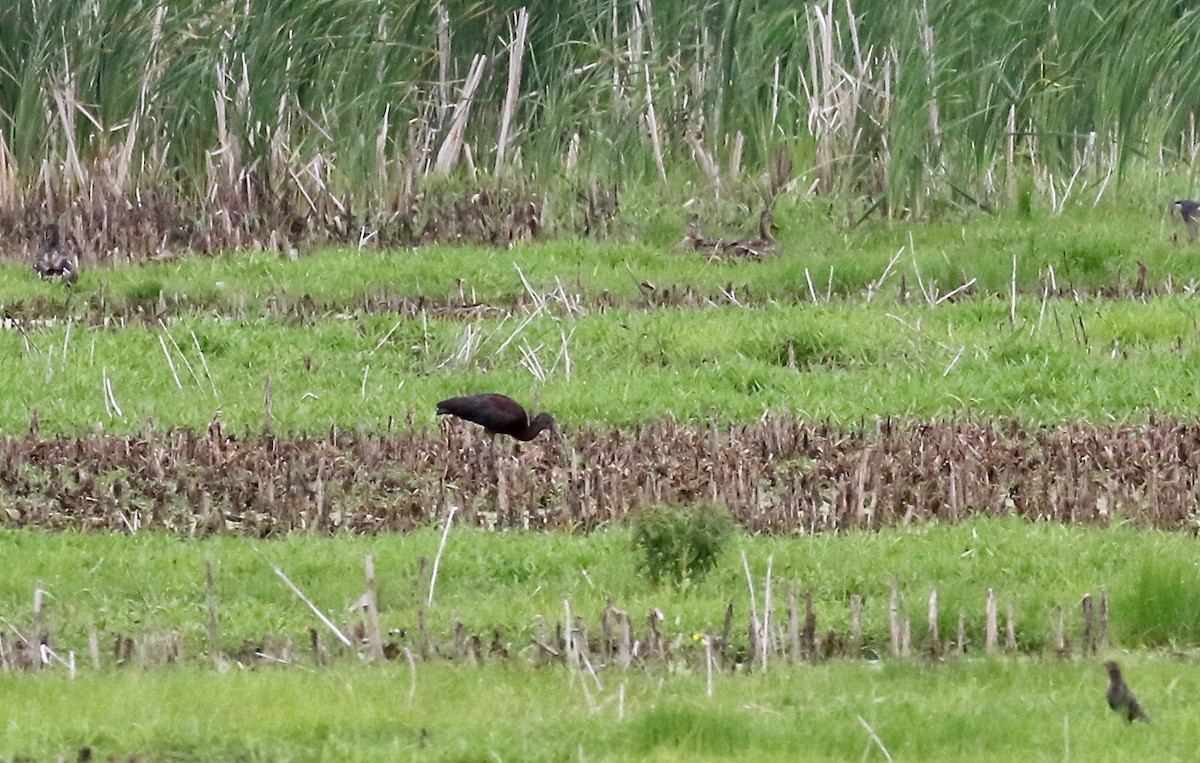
(320,615)
(437,560)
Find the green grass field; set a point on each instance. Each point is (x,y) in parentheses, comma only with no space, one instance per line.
(966,708)
(976,225)
(1089,249)
(153,583)
(849,355)
(1090,360)
(975,710)
(855,352)
(605,349)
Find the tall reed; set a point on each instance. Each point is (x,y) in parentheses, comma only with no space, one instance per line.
(244,119)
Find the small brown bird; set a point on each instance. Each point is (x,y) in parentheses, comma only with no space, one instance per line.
(693,240)
(497,414)
(756,247)
(50,262)
(1188,210)
(1120,698)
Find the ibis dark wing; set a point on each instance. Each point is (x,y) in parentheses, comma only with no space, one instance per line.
(495,413)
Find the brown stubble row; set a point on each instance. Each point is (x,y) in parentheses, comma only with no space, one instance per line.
(101,225)
(778,475)
(106,309)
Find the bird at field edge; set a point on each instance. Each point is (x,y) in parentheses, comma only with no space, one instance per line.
(756,247)
(497,414)
(1188,210)
(1120,698)
(50,262)
(750,247)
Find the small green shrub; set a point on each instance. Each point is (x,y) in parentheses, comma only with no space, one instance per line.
(680,543)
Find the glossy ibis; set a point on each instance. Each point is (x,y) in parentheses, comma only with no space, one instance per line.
(50,262)
(1188,210)
(497,414)
(1120,698)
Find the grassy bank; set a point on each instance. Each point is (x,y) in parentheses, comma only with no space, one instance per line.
(988,710)
(147,585)
(1084,251)
(351,338)
(841,362)
(1038,708)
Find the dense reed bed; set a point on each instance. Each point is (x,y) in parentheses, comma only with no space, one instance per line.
(211,125)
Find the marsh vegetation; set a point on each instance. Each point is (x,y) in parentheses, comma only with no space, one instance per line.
(951,411)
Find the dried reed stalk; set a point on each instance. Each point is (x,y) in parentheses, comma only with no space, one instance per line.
(374,631)
(211,589)
(452,146)
(516,55)
(991,638)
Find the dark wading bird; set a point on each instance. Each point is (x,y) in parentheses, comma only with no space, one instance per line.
(1120,698)
(497,414)
(50,262)
(1188,210)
